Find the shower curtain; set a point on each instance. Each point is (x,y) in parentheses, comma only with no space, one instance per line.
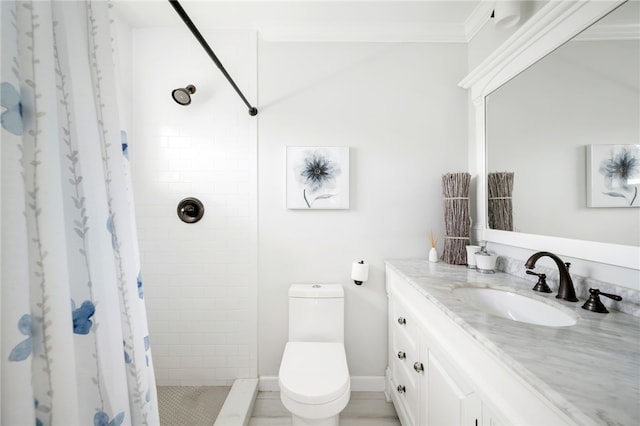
(75,345)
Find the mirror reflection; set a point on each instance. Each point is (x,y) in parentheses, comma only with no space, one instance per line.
(542,124)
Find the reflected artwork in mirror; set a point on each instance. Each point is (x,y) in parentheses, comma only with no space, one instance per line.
(540,123)
(613,175)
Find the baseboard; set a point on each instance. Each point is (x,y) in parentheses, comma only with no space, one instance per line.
(358,384)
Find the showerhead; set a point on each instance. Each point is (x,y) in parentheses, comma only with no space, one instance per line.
(183,95)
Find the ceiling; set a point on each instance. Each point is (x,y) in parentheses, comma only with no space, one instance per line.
(337,20)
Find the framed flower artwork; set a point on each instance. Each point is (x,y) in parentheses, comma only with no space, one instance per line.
(613,175)
(317,177)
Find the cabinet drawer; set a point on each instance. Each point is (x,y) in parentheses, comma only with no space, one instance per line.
(403,372)
(404,327)
(404,353)
(406,392)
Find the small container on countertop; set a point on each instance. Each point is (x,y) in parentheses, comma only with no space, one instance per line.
(486,262)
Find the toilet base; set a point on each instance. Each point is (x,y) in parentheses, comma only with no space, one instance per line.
(329,421)
(317,412)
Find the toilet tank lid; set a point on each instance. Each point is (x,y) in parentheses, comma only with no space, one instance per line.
(316,290)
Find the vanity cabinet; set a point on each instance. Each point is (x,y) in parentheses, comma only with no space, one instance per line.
(425,388)
(439,375)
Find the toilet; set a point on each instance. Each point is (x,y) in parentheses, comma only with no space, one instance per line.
(314,377)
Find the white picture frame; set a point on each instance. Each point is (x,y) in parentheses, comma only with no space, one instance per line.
(613,175)
(317,177)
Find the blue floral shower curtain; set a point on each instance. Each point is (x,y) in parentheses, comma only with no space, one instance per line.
(75,346)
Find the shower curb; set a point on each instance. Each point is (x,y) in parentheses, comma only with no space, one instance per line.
(238,406)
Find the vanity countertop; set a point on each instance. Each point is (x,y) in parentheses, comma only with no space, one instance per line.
(590,371)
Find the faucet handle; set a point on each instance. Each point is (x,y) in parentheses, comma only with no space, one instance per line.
(541,285)
(594,303)
(609,295)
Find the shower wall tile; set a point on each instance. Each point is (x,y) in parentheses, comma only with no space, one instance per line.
(200,280)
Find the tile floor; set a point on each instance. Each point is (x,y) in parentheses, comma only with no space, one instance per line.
(190,405)
(364,409)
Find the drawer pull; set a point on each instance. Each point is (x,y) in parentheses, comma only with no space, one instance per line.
(418,367)
(401,389)
(402,321)
(402,355)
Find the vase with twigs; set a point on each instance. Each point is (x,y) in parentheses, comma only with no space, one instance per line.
(433,253)
(455,189)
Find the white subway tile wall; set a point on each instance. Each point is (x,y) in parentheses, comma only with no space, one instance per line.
(200,280)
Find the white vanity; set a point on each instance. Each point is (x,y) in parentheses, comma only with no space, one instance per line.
(450,363)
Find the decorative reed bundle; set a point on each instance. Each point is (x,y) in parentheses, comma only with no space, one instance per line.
(500,206)
(455,188)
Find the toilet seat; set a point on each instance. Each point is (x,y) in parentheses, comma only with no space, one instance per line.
(314,372)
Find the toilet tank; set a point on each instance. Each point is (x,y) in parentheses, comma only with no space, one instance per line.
(316,313)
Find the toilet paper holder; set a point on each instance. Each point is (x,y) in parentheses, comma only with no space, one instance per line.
(359,272)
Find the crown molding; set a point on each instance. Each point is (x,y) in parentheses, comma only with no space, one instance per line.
(620,31)
(440,33)
(552,26)
(478,18)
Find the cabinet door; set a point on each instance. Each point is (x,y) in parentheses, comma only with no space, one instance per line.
(449,401)
(490,418)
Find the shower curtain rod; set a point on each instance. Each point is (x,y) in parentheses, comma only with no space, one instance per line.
(252,110)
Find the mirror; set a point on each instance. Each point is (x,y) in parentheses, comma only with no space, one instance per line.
(540,123)
(551,27)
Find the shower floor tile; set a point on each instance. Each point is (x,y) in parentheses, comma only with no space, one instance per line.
(190,405)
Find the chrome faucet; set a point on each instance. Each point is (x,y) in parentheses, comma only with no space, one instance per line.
(566,290)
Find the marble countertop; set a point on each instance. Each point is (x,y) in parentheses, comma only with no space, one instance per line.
(590,371)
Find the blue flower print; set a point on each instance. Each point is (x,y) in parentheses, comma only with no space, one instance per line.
(125,144)
(146,348)
(140,292)
(11,119)
(317,172)
(38,421)
(622,167)
(23,349)
(127,358)
(102,419)
(81,322)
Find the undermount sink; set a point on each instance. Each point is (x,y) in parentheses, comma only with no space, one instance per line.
(514,306)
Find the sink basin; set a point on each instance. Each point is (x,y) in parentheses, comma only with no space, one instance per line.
(514,306)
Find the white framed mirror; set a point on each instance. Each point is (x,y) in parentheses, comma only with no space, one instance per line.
(553,25)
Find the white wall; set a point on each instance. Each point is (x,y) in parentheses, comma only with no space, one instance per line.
(200,280)
(398,108)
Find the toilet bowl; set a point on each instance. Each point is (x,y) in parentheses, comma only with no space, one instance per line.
(314,382)
(314,377)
